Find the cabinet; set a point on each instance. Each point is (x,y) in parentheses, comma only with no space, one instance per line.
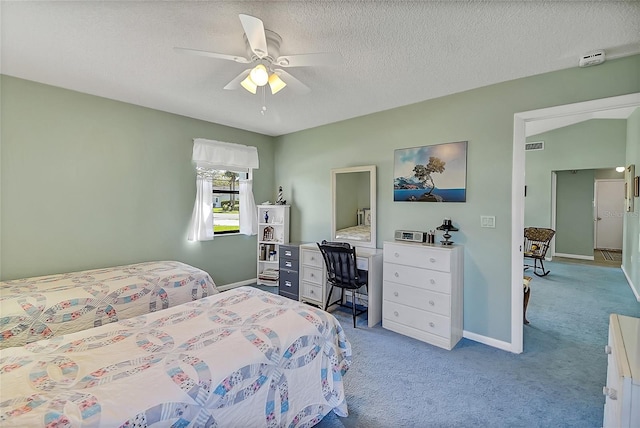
(289,268)
(423,292)
(273,231)
(622,391)
(313,283)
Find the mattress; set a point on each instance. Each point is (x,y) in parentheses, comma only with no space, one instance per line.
(36,308)
(355,233)
(240,358)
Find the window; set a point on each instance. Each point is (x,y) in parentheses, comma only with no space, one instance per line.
(226,201)
(224,184)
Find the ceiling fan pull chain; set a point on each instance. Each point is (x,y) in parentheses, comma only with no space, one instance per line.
(264,102)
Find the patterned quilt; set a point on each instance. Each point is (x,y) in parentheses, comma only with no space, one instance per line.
(36,308)
(240,358)
(355,233)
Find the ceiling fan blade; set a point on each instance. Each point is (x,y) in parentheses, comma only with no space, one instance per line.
(312,59)
(235,83)
(235,58)
(293,83)
(254,29)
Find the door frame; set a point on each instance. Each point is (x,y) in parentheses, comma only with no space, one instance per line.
(520,121)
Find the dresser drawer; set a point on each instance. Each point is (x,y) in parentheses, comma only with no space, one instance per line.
(418,256)
(417,319)
(312,292)
(312,258)
(287,263)
(429,301)
(289,281)
(289,252)
(311,274)
(417,277)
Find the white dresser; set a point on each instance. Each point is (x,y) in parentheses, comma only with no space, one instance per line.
(622,392)
(313,279)
(423,291)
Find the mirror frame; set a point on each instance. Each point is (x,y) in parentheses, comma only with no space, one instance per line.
(371,169)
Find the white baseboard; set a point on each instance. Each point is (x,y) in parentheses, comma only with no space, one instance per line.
(489,341)
(235,284)
(631,284)
(574,256)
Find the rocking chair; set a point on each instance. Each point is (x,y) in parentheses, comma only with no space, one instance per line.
(536,244)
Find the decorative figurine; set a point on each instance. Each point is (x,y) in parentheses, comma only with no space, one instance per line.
(266,216)
(279,200)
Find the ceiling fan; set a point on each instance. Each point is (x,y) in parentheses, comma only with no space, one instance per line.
(263,53)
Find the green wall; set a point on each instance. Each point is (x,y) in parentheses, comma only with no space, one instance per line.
(484,117)
(574,220)
(631,244)
(594,144)
(89,182)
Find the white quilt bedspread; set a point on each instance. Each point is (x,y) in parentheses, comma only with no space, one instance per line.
(241,358)
(41,307)
(355,233)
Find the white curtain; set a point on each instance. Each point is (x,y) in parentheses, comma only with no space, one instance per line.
(201,227)
(249,211)
(211,155)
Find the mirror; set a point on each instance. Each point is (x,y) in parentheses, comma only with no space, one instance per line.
(354,205)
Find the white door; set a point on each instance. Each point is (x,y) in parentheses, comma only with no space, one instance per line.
(609,213)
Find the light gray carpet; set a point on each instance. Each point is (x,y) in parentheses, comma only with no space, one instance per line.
(396,381)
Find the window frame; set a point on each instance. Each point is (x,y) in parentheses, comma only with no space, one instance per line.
(242,175)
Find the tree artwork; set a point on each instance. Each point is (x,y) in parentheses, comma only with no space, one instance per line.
(415,169)
(423,173)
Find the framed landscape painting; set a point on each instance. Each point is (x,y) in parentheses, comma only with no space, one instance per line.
(436,173)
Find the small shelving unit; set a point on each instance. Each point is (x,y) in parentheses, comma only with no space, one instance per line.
(273,231)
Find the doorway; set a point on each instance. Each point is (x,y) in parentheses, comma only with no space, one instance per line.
(609,214)
(523,125)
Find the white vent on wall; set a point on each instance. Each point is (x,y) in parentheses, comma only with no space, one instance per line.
(536,145)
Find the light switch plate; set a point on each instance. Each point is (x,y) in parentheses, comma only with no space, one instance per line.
(488,221)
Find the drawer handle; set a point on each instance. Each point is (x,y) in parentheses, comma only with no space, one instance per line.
(396,274)
(311,291)
(431,302)
(431,324)
(287,264)
(396,255)
(395,293)
(287,253)
(432,281)
(312,258)
(432,260)
(607,349)
(610,393)
(395,313)
(287,283)
(312,275)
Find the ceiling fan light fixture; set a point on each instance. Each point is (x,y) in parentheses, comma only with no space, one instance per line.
(259,75)
(249,85)
(276,83)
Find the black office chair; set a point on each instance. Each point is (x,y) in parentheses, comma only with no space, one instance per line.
(342,272)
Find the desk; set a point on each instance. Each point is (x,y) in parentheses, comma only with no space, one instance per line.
(313,278)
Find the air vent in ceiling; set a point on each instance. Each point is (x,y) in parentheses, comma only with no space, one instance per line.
(536,145)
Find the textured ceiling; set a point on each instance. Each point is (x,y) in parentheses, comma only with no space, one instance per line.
(395,52)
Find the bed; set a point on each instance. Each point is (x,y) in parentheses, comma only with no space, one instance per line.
(240,358)
(360,232)
(36,308)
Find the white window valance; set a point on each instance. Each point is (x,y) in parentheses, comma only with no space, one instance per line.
(211,154)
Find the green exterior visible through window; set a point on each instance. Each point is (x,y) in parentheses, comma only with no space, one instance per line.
(226,201)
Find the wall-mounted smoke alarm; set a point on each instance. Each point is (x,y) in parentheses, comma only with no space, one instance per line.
(592,58)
